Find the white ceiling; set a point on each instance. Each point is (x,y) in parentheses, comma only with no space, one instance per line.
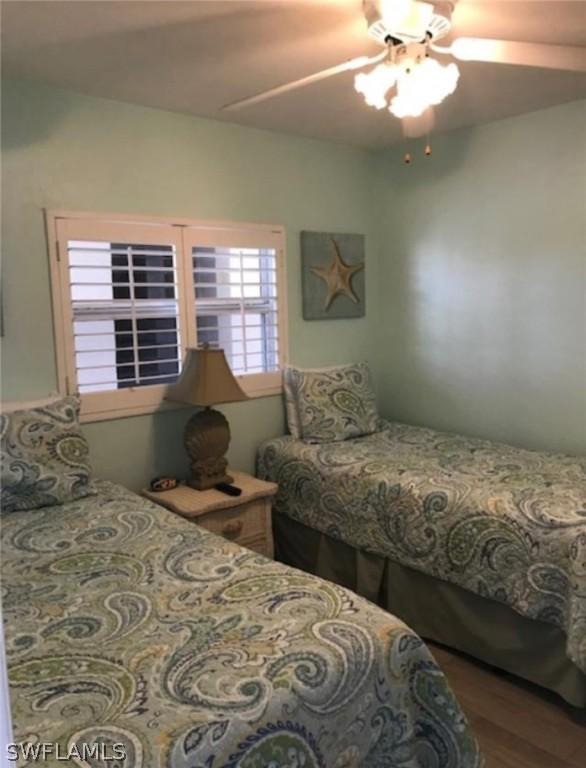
(194,57)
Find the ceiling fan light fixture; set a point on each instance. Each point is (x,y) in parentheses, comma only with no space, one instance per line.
(408,30)
(374,85)
(422,84)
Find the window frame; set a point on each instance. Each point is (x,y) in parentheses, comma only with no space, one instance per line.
(133,401)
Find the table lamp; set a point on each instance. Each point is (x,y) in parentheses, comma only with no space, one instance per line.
(206,379)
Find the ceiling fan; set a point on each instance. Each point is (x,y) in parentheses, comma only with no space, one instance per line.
(409,32)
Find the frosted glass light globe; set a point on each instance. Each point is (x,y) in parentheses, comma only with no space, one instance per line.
(423,85)
(374,85)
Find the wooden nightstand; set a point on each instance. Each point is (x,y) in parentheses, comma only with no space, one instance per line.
(245,519)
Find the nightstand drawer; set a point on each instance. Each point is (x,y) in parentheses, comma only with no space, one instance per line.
(240,524)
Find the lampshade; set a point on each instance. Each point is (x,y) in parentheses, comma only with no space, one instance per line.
(206,379)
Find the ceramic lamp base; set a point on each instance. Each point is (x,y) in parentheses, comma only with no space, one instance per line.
(207,438)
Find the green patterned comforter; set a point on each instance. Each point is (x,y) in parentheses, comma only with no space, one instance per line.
(126,624)
(505,523)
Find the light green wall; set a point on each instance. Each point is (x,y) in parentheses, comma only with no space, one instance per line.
(476,268)
(71,151)
(483,281)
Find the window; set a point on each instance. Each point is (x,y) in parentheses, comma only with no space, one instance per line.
(130,296)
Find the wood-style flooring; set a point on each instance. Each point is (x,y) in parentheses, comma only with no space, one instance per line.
(517,724)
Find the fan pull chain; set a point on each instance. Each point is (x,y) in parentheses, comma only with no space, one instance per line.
(407,159)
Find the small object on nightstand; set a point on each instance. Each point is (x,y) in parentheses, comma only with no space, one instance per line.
(160,484)
(229,490)
(245,519)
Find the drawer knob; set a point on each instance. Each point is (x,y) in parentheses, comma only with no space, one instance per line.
(232,529)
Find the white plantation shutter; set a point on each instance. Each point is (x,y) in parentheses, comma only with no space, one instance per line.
(236,280)
(236,305)
(125,314)
(126,321)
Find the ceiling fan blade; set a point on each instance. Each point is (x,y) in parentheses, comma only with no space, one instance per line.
(571,58)
(346,66)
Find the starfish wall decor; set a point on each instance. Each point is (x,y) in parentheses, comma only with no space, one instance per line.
(338,277)
(333,284)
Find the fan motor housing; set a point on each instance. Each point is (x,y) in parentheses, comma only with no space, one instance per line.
(427,20)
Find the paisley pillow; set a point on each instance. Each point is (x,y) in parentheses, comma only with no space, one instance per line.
(44,458)
(291,379)
(331,403)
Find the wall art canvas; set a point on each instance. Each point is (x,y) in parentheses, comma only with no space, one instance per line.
(333,275)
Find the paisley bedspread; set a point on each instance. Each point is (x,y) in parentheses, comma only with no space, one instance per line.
(126,625)
(505,523)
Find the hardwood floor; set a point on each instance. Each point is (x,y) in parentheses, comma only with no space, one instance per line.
(517,724)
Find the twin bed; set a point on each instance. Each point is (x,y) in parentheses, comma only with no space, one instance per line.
(127,625)
(475,544)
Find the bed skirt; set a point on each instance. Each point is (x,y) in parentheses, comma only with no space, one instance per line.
(437,610)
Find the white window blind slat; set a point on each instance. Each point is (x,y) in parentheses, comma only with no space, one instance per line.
(100,363)
(84,348)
